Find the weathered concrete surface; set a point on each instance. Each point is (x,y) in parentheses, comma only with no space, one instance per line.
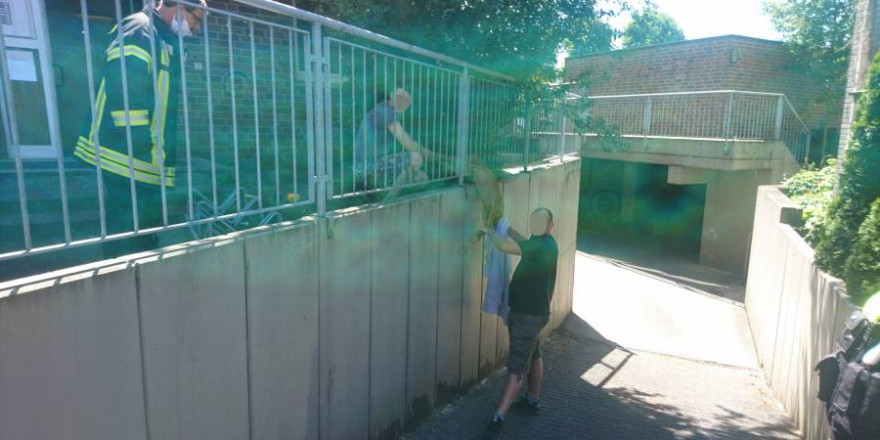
(346,327)
(712,154)
(449,294)
(422,323)
(795,311)
(728,218)
(345,245)
(192,315)
(646,313)
(69,356)
(282,306)
(471,306)
(388,319)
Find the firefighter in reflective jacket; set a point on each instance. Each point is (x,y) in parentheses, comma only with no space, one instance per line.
(148,121)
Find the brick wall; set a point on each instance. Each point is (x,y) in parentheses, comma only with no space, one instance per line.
(717,63)
(865,43)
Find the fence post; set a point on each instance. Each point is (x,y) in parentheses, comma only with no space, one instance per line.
(646,121)
(806,158)
(317,66)
(780,106)
(561,111)
(727,123)
(464,95)
(527,134)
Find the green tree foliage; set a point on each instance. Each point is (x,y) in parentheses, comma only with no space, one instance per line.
(859,186)
(862,270)
(518,37)
(818,32)
(813,189)
(599,38)
(651,27)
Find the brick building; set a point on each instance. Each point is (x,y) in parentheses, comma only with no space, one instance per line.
(679,190)
(865,44)
(730,62)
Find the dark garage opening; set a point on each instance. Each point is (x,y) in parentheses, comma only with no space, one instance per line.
(635,210)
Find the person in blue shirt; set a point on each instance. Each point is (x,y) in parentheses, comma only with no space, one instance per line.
(378,162)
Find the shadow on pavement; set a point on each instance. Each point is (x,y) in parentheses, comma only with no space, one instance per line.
(578,402)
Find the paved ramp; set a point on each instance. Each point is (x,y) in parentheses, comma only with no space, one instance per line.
(640,358)
(646,312)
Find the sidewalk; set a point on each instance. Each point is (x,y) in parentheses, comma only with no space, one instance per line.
(595,389)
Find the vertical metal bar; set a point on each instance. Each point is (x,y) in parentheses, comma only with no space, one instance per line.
(443,102)
(375,134)
(527,129)
(434,110)
(317,67)
(807,152)
(327,73)
(561,116)
(293,69)
(257,145)
(413,93)
(463,108)
(394,102)
(207,36)
(189,180)
(646,120)
(10,127)
(90,74)
(275,115)
(727,117)
(234,115)
(353,122)
(127,108)
(366,108)
(160,141)
(341,140)
(777,131)
(311,101)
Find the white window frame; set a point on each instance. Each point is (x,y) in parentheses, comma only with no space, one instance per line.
(38,40)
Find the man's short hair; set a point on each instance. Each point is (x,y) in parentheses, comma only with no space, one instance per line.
(549,213)
(400,94)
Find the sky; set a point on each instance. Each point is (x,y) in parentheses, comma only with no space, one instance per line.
(709,18)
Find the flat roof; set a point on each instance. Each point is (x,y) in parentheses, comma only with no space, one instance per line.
(682,42)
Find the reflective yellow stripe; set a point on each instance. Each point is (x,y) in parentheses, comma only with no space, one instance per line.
(158,124)
(100,100)
(130,50)
(111,155)
(117,163)
(87,154)
(135,117)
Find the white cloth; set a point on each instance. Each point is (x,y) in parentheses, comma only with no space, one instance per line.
(496,269)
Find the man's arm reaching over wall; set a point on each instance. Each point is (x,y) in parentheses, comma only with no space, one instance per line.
(506,245)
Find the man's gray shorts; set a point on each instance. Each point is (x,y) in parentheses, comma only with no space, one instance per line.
(525,345)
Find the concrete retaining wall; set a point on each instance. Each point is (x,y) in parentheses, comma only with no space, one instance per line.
(351,327)
(795,312)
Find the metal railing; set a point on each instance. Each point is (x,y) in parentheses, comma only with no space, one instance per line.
(272,114)
(726,114)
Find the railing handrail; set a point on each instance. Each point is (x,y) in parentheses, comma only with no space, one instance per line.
(290,11)
(796,114)
(699,92)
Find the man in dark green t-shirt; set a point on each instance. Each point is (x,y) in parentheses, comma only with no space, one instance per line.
(531,290)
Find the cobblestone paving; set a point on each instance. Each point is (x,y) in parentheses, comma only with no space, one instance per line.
(595,390)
